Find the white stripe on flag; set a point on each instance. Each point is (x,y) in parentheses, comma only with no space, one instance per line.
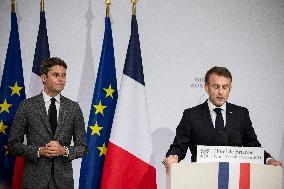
(130,129)
(35,86)
(234,173)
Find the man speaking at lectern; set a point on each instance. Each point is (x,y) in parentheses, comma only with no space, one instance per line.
(215,122)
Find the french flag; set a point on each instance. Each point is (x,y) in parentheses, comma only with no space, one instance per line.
(247,176)
(41,53)
(129,154)
(228,173)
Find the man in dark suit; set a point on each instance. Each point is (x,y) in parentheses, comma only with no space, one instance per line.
(215,122)
(49,121)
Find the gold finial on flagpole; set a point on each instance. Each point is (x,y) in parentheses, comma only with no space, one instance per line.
(41,5)
(13,5)
(108,3)
(134,3)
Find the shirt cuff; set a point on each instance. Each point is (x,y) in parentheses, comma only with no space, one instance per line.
(38,155)
(164,162)
(174,156)
(66,152)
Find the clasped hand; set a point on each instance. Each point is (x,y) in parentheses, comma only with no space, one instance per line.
(52,149)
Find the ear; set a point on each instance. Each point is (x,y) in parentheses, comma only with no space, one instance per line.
(206,88)
(43,78)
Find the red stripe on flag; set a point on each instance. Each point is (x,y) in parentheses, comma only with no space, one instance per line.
(18,173)
(124,170)
(244,176)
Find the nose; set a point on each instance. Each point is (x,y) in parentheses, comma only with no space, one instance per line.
(221,90)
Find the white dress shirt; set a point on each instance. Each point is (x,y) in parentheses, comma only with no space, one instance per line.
(47,102)
(214,114)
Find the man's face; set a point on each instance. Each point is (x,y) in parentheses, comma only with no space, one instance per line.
(218,89)
(55,80)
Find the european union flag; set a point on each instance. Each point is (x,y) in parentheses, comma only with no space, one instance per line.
(12,92)
(35,87)
(101,115)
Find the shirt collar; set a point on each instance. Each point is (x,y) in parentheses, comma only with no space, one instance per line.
(47,98)
(212,106)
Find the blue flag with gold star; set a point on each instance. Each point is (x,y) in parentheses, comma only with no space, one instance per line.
(101,115)
(12,92)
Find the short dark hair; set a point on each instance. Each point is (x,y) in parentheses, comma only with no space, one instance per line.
(50,62)
(220,71)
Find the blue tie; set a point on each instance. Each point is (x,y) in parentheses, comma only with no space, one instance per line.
(219,122)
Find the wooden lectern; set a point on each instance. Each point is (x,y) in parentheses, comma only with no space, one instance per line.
(224,175)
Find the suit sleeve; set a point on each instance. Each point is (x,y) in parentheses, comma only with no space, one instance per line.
(250,138)
(182,139)
(79,136)
(16,137)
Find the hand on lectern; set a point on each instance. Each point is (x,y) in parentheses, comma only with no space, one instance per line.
(169,160)
(274,162)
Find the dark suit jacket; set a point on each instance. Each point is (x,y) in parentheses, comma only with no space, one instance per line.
(196,128)
(32,120)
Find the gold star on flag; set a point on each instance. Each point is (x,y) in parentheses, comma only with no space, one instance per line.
(109,91)
(6,150)
(16,89)
(5,106)
(99,108)
(102,149)
(96,129)
(3,127)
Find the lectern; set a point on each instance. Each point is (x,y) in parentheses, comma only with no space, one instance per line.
(224,176)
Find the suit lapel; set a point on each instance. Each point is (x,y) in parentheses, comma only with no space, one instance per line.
(207,118)
(229,118)
(62,115)
(41,110)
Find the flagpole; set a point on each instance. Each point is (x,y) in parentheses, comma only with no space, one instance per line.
(41,5)
(108,3)
(13,5)
(134,3)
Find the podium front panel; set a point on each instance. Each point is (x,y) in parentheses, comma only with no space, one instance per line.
(224,176)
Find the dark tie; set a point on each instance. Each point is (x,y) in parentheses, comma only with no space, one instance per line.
(219,122)
(53,115)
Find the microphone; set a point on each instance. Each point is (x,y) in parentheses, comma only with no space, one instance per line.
(235,138)
(221,138)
